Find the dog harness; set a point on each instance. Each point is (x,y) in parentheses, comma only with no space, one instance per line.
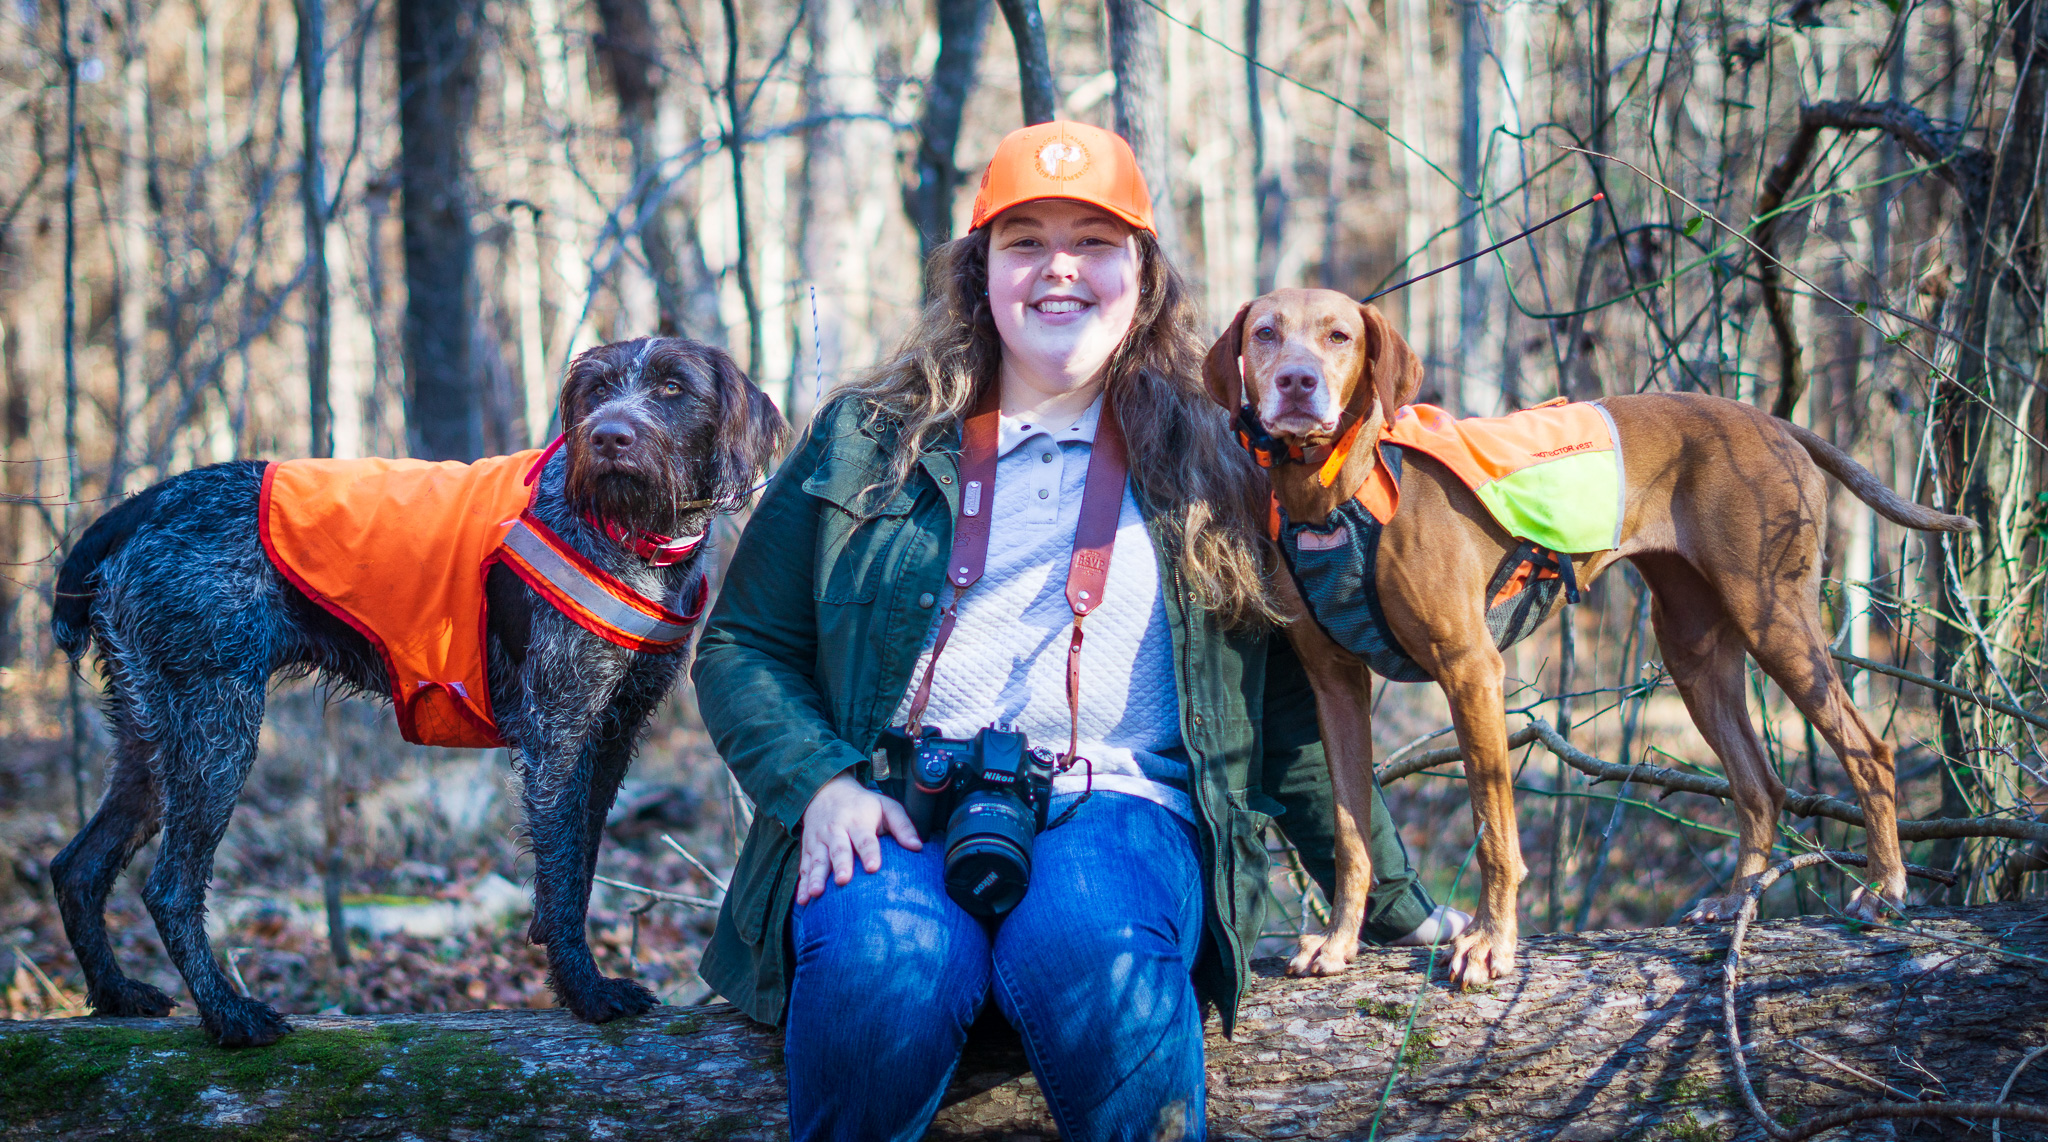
(1550,476)
(399,550)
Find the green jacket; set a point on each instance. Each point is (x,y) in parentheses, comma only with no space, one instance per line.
(819,623)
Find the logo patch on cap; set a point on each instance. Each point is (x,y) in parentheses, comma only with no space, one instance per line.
(1063,158)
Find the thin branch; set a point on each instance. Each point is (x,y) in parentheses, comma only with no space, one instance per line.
(700,866)
(1797,803)
(1919,134)
(1932,368)
(1952,690)
(658,894)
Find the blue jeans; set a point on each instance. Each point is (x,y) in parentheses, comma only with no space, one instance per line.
(1092,969)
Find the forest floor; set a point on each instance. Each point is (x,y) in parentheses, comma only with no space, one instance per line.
(437,885)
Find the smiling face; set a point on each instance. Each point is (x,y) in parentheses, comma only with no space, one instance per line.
(1063,287)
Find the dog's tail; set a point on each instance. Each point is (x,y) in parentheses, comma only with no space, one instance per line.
(78,578)
(1872,490)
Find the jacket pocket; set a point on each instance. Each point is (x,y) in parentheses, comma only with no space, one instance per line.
(761,886)
(1249,870)
(859,530)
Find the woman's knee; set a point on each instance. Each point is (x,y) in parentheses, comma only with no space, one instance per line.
(888,942)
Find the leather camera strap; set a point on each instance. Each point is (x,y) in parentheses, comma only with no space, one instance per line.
(1087,571)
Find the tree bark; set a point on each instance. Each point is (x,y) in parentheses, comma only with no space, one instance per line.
(736,150)
(632,54)
(838,240)
(1141,105)
(312,20)
(1612,1034)
(962,26)
(1034,65)
(437,81)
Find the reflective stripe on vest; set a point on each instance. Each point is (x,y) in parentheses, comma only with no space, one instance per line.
(592,597)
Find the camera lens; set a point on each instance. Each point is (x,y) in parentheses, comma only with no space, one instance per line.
(988,852)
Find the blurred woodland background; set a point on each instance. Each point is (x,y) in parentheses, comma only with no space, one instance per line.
(271,228)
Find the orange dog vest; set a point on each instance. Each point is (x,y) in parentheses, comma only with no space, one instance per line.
(1551,476)
(399,549)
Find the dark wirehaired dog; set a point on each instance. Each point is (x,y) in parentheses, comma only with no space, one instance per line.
(191,619)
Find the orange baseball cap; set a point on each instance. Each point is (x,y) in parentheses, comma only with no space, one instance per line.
(1063,159)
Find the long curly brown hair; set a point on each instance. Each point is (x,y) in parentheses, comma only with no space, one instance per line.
(1183,461)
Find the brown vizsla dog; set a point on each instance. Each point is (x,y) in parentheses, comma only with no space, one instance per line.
(1722,514)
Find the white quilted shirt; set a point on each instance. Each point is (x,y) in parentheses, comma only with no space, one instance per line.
(1006,663)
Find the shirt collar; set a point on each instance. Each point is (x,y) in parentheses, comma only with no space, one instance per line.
(1012,432)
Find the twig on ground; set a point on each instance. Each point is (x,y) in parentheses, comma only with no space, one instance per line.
(1730,969)
(1840,1065)
(1987,949)
(57,995)
(699,865)
(2029,1057)
(235,970)
(658,894)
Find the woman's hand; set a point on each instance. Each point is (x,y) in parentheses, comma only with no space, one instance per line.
(846,818)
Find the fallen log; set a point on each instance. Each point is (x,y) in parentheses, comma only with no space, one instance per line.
(1603,1035)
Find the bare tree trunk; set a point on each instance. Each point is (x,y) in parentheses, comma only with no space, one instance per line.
(537,392)
(313,198)
(838,239)
(333,803)
(1034,65)
(962,26)
(1268,196)
(1604,1035)
(312,16)
(437,77)
(735,148)
(16,470)
(73,465)
(1141,107)
(632,54)
(1471,296)
(132,280)
(564,94)
(1335,270)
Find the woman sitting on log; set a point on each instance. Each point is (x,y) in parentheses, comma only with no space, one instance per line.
(1092,852)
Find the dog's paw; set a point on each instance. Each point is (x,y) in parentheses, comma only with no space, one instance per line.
(1478,957)
(607,999)
(1715,909)
(1870,903)
(245,1023)
(1322,955)
(127,999)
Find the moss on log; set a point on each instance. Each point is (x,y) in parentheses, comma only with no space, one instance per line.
(1608,1035)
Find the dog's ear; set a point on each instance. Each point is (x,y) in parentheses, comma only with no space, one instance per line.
(751,430)
(1220,369)
(1396,372)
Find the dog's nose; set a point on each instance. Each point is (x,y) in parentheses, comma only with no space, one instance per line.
(611,438)
(1297,380)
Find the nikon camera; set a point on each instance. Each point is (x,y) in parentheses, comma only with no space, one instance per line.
(988,794)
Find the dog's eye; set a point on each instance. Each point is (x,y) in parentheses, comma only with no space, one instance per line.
(1263,333)
(671,388)
(1338,336)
